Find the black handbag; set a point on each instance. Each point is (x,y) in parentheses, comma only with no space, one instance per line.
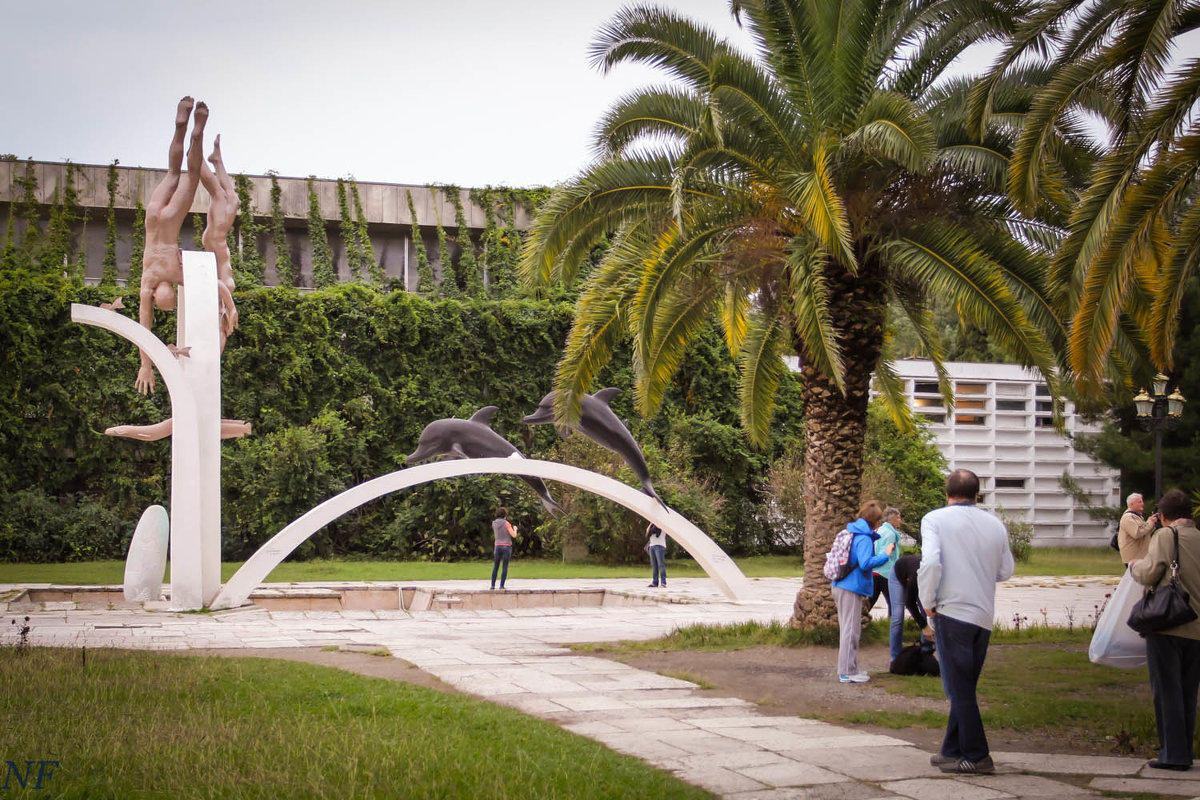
(1163,607)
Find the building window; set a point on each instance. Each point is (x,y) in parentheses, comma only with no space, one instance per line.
(970,404)
(1042,390)
(1045,422)
(1045,407)
(970,388)
(1010,483)
(970,419)
(924,402)
(925,387)
(935,419)
(1010,405)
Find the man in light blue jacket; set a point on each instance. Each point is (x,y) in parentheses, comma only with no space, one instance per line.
(849,592)
(964,554)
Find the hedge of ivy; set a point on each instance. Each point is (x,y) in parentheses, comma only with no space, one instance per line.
(338,384)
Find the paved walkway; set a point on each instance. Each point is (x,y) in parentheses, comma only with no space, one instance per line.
(723,744)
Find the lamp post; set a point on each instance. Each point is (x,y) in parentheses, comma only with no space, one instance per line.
(1157,412)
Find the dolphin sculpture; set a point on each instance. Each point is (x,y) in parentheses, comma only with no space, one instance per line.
(473,438)
(598,423)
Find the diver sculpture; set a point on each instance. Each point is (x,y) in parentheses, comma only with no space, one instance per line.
(473,438)
(598,423)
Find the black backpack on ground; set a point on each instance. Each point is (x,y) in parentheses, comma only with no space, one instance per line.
(917,659)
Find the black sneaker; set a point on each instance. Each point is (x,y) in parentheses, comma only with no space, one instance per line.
(937,759)
(1154,763)
(965,766)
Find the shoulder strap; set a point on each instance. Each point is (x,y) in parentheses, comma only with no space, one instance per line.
(1175,555)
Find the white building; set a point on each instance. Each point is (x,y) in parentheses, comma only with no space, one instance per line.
(1001,429)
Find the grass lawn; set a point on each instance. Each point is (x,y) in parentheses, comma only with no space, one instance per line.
(113,572)
(131,724)
(1045,561)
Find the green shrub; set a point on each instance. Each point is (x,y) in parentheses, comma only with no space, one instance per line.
(338,384)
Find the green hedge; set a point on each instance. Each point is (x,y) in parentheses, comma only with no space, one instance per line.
(338,384)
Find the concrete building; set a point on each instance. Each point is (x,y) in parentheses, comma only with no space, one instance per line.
(384,204)
(1001,428)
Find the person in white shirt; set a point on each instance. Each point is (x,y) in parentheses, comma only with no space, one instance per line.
(964,554)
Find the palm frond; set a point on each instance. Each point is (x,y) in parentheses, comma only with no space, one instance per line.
(891,127)
(658,38)
(762,367)
(822,209)
(812,322)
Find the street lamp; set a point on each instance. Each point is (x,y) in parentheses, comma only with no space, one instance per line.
(1158,412)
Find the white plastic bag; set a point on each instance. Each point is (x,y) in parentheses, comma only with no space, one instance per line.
(1114,643)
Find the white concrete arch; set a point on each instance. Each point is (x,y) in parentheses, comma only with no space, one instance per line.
(716,563)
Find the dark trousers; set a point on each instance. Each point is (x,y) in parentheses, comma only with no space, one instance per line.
(879,585)
(1174,679)
(500,555)
(962,648)
(658,564)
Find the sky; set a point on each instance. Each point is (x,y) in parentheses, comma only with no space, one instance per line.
(468,92)
(465,92)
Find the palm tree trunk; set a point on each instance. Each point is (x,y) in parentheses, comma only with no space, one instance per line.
(835,427)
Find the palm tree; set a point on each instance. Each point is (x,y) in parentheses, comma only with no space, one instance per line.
(793,195)
(1133,233)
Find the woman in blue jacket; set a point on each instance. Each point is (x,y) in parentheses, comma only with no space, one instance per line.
(849,592)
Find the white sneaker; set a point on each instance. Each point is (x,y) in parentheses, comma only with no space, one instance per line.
(860,677)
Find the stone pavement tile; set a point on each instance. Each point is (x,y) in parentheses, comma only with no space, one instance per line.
(1052,764)
(738,760)
(789,774)
(875,764)
(1026,786)
(540,683)
(776,739)
(279,642)
(391,613)
(560,665)
(593,728)
(648,749)
(1192,774)
(617,681)
(720,781)
(657,698)
(585,702)
(845,739)
(640,724)
(760,721)
(1147,786)
(828,791)
(694,702)
(942,789)
(533,705)
(699,742)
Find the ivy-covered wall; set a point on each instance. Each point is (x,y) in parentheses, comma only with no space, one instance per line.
(338,384)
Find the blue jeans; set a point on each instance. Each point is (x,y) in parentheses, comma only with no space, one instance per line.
(500,555)
(962,648)
(1174,664)
(896,602)
(658,564)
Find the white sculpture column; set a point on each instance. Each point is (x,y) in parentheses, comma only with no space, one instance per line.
(198,328)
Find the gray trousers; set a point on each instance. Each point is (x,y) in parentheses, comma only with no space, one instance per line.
(849,610)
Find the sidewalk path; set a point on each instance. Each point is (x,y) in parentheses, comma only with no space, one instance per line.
(723,744)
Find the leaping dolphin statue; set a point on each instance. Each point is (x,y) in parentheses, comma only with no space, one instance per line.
(473,438)
(598,423)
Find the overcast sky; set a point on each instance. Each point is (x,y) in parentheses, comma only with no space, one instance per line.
(468,92)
